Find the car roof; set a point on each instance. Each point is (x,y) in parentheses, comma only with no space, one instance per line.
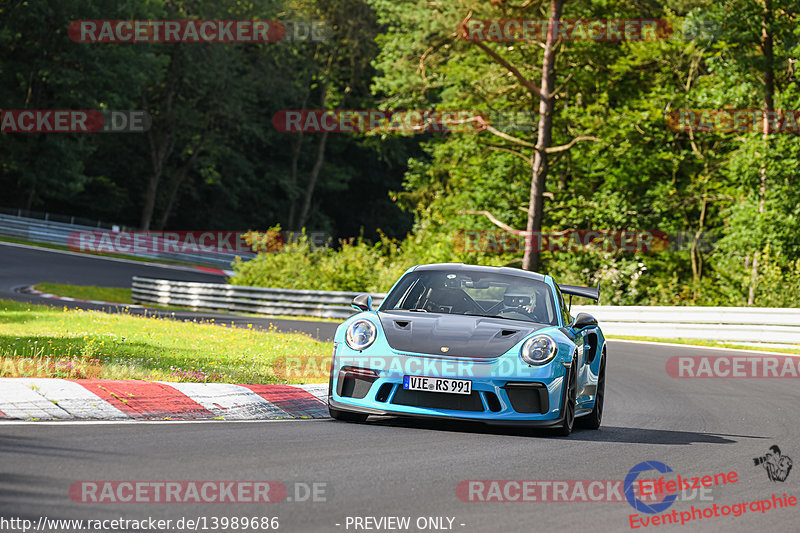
(461,267)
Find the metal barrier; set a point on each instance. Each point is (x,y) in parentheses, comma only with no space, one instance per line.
(321,304)
(734,324)
(49,231)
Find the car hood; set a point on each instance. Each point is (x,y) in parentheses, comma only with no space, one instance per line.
(453,335)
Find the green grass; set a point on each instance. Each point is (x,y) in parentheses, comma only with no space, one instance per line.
(103,294)
(43,341)
(87,292)
(703,342)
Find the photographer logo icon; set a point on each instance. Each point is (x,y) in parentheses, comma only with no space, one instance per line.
(777,466)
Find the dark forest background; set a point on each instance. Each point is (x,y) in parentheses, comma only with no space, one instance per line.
(213,159)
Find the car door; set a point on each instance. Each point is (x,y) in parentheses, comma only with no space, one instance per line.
(584,375)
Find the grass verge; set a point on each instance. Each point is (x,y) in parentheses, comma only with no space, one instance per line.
(43,341)
(715,344)
(87,292)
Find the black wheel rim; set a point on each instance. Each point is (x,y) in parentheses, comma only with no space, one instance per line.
(601,389)
(572,390)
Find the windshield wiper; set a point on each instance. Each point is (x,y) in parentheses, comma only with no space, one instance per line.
(498,316)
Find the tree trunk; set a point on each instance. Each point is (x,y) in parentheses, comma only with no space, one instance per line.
(769,107)
(180,177)
(296,150)
(531,258)
(302,218)
(293,181)
(31,196)
(161,223)
(696,257)
(159,151)
(149,199)
(312,181)
(158,155)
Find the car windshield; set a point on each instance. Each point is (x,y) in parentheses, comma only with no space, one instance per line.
(474,293)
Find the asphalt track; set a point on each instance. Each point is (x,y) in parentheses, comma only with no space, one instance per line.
(27,265)
(400,467)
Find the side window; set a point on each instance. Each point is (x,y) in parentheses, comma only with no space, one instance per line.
(550,311)
(564,309)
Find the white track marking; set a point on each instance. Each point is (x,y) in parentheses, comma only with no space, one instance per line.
(75,399)
(231,402)
(19,400)
(320,390)
(735,350)
(171,422)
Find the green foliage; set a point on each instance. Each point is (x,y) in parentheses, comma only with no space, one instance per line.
(215,157)
(228,167)
(355,266)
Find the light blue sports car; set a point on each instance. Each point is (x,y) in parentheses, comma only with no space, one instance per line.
(488,344)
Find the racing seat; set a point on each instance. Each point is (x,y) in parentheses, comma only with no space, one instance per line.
(539,313)
(448,300)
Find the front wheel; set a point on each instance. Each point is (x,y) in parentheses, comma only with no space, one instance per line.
(570,398)
(593,419)
(347,416)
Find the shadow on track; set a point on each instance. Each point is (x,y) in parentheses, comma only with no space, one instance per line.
(605,434)
(11,445)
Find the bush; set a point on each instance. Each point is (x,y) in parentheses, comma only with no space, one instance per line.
(355,266)
(360,266)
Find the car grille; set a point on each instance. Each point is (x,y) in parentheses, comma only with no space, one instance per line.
(528,397)
(438,400)
(353,383)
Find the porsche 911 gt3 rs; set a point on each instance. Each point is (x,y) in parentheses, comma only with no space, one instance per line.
(490,344)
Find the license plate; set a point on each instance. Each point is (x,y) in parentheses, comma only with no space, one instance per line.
(451,386)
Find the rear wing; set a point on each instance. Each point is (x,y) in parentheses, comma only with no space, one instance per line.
(592,293)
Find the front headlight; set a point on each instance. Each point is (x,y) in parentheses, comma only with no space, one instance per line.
(538,350)
(360,334)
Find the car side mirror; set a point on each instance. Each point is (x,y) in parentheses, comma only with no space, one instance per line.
(584,320)
(362,302)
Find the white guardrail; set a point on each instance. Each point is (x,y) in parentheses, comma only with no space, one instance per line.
(733,324)
(54,232)
(261,300)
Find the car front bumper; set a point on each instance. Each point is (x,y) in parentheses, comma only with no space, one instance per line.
(504,390)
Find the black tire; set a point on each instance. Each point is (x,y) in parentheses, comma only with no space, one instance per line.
(570,399)
(347,416)
(593,419)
